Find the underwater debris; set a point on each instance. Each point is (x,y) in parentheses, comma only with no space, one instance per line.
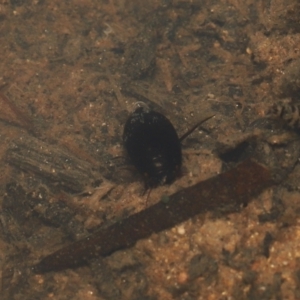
(233,188)
(20,118)
(51,163)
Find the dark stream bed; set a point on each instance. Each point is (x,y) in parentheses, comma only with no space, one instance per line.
(71,72)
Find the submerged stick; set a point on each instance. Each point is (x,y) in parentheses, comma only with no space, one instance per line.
(231,188)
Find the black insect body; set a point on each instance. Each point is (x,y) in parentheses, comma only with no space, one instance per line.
(153,146)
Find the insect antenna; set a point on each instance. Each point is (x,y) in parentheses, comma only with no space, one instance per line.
(194,127)
(148,195)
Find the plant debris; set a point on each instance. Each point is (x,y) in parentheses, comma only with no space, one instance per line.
(229,189)
(50,163)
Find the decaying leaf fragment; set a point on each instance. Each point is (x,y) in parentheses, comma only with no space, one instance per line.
(51,163)
(232,188)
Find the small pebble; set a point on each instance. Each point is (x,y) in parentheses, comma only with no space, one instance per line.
(182,277)
(181,230)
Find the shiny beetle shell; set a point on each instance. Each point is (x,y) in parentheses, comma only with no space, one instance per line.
(153,146)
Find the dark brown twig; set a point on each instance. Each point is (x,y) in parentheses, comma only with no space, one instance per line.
(232,188)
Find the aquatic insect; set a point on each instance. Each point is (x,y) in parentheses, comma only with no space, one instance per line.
(153,146)
(287,112)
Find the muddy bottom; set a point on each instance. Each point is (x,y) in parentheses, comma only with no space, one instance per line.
(71,74)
